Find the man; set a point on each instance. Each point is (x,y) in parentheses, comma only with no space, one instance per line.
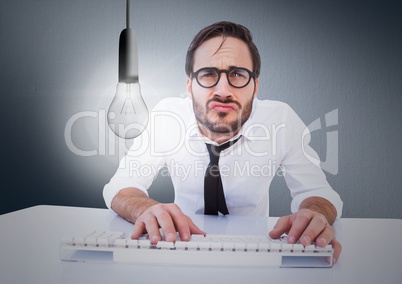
(223,67)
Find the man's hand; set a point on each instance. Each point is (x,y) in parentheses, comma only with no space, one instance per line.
(149,215)
(307,226)
(170,219)
(312,223)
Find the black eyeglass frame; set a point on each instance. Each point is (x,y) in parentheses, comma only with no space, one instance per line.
(219,72)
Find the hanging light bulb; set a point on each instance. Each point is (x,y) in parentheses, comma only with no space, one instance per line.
(128,114)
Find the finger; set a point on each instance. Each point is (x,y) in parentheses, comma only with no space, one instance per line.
(174,220)
(337,249)
(152,227)
(282,226)
(299,225)
(194,229)
(165,221)
(138,230)
(184,225)
(326,236)
(316,226)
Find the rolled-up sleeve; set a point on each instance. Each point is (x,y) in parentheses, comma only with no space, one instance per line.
(138,169)
(301,165)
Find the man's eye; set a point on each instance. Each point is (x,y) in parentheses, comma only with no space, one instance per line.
(238,74)
(207,74)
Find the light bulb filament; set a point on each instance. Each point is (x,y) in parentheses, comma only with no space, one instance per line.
(128,107)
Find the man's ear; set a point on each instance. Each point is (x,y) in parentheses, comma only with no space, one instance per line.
(256,88)
(188,87)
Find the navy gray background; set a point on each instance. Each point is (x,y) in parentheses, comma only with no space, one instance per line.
(59,58)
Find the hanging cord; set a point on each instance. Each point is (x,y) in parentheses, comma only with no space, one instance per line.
(128,14)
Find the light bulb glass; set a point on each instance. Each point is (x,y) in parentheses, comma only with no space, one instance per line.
(128,115)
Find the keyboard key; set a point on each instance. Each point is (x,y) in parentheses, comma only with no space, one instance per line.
(192,245)
(228,246)
(298,248)
(204,245)
(216,246)
(144,243)
(165,245)
(251,246)
(79,241)
(67,241)
(121,243)
(264,247)
(287,247)
(197,237)
(104,242)
(180,245)
(310,248)
(90,241)
(275,247)
(327,248)
(240,246)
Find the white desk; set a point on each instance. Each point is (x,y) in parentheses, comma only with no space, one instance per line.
(30,240)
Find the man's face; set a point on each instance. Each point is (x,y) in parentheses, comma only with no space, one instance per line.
(222,109)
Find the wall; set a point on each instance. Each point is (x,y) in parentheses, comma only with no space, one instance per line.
(59,58)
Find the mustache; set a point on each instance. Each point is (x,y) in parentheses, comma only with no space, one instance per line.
(225,101)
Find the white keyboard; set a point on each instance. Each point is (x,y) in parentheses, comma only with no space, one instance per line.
(209,250)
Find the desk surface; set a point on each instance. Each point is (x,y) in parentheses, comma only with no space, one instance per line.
(30,240)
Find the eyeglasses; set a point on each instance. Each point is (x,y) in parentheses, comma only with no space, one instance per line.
(209,77)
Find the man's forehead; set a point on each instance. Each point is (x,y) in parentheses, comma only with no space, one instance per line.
(219,51)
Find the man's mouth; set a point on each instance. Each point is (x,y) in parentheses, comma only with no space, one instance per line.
(223,107)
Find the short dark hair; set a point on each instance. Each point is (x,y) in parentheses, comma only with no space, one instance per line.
(224,29)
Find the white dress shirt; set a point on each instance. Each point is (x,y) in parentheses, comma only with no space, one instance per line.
(274,142)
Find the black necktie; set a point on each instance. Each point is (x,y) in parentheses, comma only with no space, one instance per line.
(214,198)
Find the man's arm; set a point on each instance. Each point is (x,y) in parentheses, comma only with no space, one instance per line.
(131,202)
(148,215)
(313,222)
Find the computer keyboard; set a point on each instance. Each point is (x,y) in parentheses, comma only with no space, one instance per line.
(209,250)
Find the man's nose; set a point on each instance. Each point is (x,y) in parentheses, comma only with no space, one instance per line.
(223,88)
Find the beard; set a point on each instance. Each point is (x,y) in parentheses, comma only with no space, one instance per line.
(219,122)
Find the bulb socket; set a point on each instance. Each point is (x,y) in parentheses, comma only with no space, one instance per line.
(128,57)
